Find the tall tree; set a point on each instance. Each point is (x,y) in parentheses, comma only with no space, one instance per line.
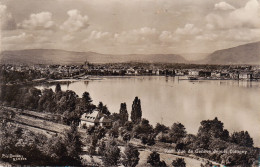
(136,113)
(130,156)
(86,98)
(123,113)
(58,88)
(84,104)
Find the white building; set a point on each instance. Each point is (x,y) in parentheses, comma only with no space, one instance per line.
(96,118)
(245,76)
(193,73)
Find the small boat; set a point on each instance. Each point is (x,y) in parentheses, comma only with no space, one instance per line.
(84,77)
(192,78)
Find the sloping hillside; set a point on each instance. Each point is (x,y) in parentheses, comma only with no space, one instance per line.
(51,56)
(243,54)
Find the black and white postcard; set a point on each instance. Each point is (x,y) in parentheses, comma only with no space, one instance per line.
(134,83)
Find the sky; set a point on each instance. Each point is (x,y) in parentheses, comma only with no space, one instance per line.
(129,26)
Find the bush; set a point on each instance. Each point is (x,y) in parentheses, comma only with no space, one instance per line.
(154,160)
(111,153)
(179,162)
(130,156)
(149,140)
(143,128)
(242,138)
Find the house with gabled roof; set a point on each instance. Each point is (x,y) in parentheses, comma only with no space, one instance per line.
(96,118)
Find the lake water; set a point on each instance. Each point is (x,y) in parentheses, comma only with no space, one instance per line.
(167,100)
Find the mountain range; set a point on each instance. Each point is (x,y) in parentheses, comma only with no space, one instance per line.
(243,54)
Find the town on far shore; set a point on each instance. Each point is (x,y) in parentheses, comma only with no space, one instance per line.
(41,72)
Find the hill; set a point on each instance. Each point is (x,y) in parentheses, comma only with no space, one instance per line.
(53,56)
(243,54)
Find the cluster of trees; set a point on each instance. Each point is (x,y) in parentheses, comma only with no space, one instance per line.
(111,153)
(66,104)
(38,149)
(211,136)
(154,160)
(18,77)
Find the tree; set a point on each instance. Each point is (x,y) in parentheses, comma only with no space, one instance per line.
(73,144)
(130,156)
(67,101)
(123,113)
(143,129)
(179,162)
(111,153)
(128,126)
(207,164)
(103,109)
(161,128)
(56,149)
(86,98)
(154,160)
(30,98)
(127,137)
(149,140)
(242,138)
(136,113)
(46,101)
(100,132)
(113,132)
(58,88)
(101,145)
(177,132)
(213,129)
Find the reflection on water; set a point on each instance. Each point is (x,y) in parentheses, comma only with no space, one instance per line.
(169,100)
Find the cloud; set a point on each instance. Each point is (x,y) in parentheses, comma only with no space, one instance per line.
(141,36)
(14,38)
(215,21)
(98,35)
(224,6)
(207,37)
(244,35)
(188,29)
(27,40)
(168,37)
(144,35)
(6,19)
(68,38)
(24,38)
(41,20)
(246,17)
(75,22)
